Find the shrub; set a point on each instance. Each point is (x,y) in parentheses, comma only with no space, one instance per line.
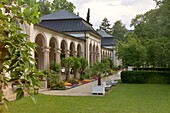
(145,77)
(153,69)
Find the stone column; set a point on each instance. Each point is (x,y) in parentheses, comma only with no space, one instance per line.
(91,58)
(46,51)
(97,57)
(58,55)
(75,53)
(81,54)
(67,53)
(94,57)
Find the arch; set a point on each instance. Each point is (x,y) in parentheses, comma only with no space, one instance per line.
(79,51)
(53,45)
(44,39)
(63,49)
(39,54)
(72,49)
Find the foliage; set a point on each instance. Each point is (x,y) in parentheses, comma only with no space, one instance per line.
(87,74)
(109,62)
(53,76)
(118,30)
(67,63)
(132,52)
(126,98)
(106,66)
(53,79)
(76,66)
(153,29)
(84,64)
(16,48)
(105,25)
(46,7)
(55,67)
(145,77)
(100,68)
(152,69)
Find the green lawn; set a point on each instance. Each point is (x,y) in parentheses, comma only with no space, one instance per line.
(126,98)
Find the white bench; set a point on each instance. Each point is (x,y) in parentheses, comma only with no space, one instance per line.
(106,85)
(114,82)
(98,90)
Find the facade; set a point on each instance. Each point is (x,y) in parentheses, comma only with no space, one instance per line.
(108,42)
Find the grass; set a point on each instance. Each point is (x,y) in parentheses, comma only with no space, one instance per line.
(126,98)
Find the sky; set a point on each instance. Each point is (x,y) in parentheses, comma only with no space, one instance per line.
(113,10)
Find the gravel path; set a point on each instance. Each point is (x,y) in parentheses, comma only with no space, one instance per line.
(83,90)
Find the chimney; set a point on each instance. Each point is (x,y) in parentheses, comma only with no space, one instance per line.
(88,15)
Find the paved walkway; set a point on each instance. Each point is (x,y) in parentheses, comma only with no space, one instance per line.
(83,90)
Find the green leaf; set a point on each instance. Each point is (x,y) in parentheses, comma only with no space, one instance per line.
(20,93)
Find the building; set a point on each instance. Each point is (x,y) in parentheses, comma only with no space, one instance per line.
(108,42)
(63,34)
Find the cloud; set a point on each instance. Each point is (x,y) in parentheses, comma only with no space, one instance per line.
(113,10)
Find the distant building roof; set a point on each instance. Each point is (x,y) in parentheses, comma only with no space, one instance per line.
(65,21)
(61,14)
(107,39)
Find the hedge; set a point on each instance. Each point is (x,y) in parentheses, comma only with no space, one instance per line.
(157,77)
(152,69)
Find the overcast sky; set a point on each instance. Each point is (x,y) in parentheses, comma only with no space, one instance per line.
(113,10)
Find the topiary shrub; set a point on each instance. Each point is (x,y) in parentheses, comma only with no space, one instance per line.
(145,77)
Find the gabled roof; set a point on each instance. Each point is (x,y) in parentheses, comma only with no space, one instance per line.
(107,39)
(61,14)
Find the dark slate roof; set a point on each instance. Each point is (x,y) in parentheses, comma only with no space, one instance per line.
(103,33)
(67,25)
(65,21)
(61,14)
(107,39)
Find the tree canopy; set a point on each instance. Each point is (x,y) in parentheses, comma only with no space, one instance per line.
(118,30)
(152,29)
(46,7)
(105,25)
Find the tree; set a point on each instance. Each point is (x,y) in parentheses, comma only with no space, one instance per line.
(105,25)
(16,48)
(153,30)
(67,63)
(53,76)
(84,64)
(98,69)
(62,4)
(47,7)
(76,66)
(132,52)
(119,30)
